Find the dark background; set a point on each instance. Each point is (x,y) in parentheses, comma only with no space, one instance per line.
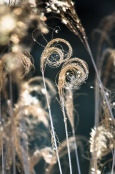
(90,12)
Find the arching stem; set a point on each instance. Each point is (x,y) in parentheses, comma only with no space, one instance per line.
(51,121)
(66,131)
(76,152)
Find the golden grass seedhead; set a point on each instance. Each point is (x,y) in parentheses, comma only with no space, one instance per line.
(102,141)
(53,53)
(73,73)
(68,16)
(19,62)
(27,62)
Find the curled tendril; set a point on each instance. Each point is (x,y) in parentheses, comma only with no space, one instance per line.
(73,73)
(53,55)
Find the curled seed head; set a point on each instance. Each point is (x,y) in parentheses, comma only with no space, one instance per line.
(53,55)
(73,73)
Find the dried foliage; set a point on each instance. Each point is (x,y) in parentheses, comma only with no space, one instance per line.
(53,55)
(68,15)
(73,73)
(14,62)
(28,136)
(102,141)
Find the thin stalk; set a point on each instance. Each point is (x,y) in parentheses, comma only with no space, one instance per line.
(24,149)
(76,152)
(71,119)
(97,91)
(97,100)
(51,121)
(2,146)
(98,77)
(3,171)
(113,163)
(12,122)
(100,85)
(66,131)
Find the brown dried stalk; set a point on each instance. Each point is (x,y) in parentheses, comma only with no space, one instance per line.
(63,151)
(72,75)
(54,61)
(68,15)
(70,18)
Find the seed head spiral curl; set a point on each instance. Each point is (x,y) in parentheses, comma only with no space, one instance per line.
(73,73)
(51,49)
